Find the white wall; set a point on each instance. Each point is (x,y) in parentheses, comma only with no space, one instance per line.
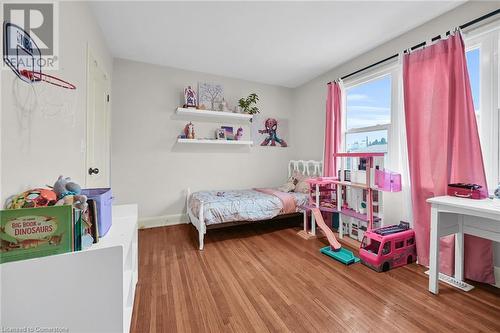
(148,167)
(309,99)
(52,145)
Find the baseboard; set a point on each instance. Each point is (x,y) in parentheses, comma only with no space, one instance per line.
(162,221)
(497,276)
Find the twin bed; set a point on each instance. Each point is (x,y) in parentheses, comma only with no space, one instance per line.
(215,209)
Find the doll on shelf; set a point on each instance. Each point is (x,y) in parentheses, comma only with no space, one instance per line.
(189,130)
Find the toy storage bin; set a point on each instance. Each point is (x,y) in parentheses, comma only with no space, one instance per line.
(103,200)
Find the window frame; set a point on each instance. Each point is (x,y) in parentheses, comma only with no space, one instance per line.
(487,39)
(393,69)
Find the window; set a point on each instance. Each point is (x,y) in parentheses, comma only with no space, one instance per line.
(370,245)
(473,65)
(387,248)
(368,114)
(482,46)
(410,241)
(474,69)
(399,244)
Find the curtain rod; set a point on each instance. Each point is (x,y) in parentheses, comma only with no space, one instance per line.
(463,26)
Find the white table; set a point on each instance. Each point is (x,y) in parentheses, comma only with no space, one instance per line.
(459,216)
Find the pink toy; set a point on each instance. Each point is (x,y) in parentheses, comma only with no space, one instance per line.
(388,247)
(335,245)
(386,180)
(239,134)
(322,191)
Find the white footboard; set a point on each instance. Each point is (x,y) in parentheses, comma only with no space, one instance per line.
(199,223)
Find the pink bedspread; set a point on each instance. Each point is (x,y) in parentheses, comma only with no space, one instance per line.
(288,201)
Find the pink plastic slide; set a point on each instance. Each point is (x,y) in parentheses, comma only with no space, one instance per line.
(334,244)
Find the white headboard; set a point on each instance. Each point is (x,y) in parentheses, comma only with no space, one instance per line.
(308,168)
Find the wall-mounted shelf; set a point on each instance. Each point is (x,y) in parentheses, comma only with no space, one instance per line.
(214,115)
(217,142)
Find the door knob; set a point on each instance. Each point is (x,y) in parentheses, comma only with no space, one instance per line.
(93,171)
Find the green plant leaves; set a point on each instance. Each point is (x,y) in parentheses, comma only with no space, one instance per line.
(246,104)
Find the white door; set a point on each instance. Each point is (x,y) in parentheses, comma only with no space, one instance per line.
(98,119)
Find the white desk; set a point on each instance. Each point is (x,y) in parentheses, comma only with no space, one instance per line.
(452,215)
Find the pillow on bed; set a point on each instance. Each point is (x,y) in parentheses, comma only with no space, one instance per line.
(287,187)
(302,186)
(290,184)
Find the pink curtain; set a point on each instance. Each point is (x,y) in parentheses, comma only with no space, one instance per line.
(443,146)
(332,128)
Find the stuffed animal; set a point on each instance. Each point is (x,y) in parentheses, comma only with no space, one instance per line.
(38,197)
(69,193)
(239,134)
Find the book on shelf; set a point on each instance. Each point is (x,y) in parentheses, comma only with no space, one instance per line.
(83,238)
(93,216)
(35,232)
(78,229)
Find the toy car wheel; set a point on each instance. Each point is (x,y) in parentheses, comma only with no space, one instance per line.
(386,266)
(409,260)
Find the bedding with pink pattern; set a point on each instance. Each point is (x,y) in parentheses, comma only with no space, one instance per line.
(287,200)
(244,205)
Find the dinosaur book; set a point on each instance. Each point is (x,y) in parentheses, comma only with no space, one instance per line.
(35,232)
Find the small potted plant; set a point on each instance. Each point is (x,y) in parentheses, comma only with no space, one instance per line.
(248,105)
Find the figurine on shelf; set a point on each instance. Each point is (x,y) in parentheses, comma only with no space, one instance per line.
(239,134)
(189,98)
(225,106)
(189,130)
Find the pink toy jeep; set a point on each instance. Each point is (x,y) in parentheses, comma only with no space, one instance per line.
(388,247)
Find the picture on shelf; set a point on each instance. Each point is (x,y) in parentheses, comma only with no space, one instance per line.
(229,132)
(220,134)
(190,98)
(210,96)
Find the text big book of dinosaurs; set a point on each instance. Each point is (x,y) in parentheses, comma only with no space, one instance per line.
(35,232)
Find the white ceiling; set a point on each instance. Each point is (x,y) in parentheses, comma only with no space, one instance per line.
(280,43)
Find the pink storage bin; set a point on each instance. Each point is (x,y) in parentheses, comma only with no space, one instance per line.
(386,180)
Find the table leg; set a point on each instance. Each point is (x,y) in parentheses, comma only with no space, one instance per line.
(434,253)
(459,250)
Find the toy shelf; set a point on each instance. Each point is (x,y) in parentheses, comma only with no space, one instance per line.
(321,208)
(351,184)
(344,211)
(214,115)
(95,287)
(362,155)
(369,216)
(217,142)
(358,216)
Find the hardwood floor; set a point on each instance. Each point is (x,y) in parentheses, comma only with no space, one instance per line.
(263,277)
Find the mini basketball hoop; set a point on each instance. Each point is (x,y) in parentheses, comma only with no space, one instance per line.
(22,55)
(39,76)
(24,58)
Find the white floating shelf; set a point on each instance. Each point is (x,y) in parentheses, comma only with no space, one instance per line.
(217,142)
(220,115)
